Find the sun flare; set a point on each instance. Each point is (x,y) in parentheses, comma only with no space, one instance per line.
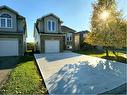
(104,15)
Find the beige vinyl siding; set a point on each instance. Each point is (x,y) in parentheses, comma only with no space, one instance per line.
(14,21)
(46,19)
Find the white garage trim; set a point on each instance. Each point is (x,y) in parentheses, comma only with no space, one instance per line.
(9,47)
(52,46)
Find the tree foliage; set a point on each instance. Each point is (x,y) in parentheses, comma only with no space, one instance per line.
(30,46)
(110,32)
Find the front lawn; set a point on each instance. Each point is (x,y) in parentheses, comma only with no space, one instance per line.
(99,54)
(24,79)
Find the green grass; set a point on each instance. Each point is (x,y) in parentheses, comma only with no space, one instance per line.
(24,79)
(99,54)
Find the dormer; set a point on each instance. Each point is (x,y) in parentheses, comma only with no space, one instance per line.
(11,21)
(49,24)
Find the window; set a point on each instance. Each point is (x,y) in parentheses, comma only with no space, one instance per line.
(51,26)
(69,37)
(5,21)
(8,22)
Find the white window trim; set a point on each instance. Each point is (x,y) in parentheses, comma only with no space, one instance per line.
(68,36)
(51,26)
(71,37)
(5,22)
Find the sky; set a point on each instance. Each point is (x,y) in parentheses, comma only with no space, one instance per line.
(74,13)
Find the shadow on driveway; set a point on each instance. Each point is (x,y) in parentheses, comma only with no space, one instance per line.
(56,56)
(88,78)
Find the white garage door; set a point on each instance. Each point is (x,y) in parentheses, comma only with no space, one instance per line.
(52,46)
(8,47)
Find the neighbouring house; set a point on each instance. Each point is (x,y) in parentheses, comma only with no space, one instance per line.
(82,35)
(12,32)
(50,36)
(83,44)
(77,41)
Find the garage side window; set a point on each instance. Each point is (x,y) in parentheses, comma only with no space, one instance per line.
(51,26)
(5,21)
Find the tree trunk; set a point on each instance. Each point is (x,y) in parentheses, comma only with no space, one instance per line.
(107,54)
(115,53)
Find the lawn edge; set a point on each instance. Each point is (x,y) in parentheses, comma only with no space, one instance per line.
(100,58)
(5,80)
(39,71)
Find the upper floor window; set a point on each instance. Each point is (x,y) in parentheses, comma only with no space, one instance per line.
(69,37)
(5,21)
(51,25)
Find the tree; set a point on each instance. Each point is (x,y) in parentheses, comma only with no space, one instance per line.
(107,26)
(30,46)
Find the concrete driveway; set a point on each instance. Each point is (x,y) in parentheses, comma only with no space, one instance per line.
(6,65)
(67,73)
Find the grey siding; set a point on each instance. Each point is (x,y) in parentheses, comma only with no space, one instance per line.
(20,24)
(41,26)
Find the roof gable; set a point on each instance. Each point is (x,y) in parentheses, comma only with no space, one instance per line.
(11,10)
(84,32)
(51,14)
(67,29)
(8,8)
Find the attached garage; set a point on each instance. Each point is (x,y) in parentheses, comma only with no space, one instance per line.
(9,47)
(52,46)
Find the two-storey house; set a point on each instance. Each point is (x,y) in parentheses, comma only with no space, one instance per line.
(12,32)
(50,36)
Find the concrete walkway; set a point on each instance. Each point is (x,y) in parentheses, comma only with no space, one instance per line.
(3,75)
(67,73)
